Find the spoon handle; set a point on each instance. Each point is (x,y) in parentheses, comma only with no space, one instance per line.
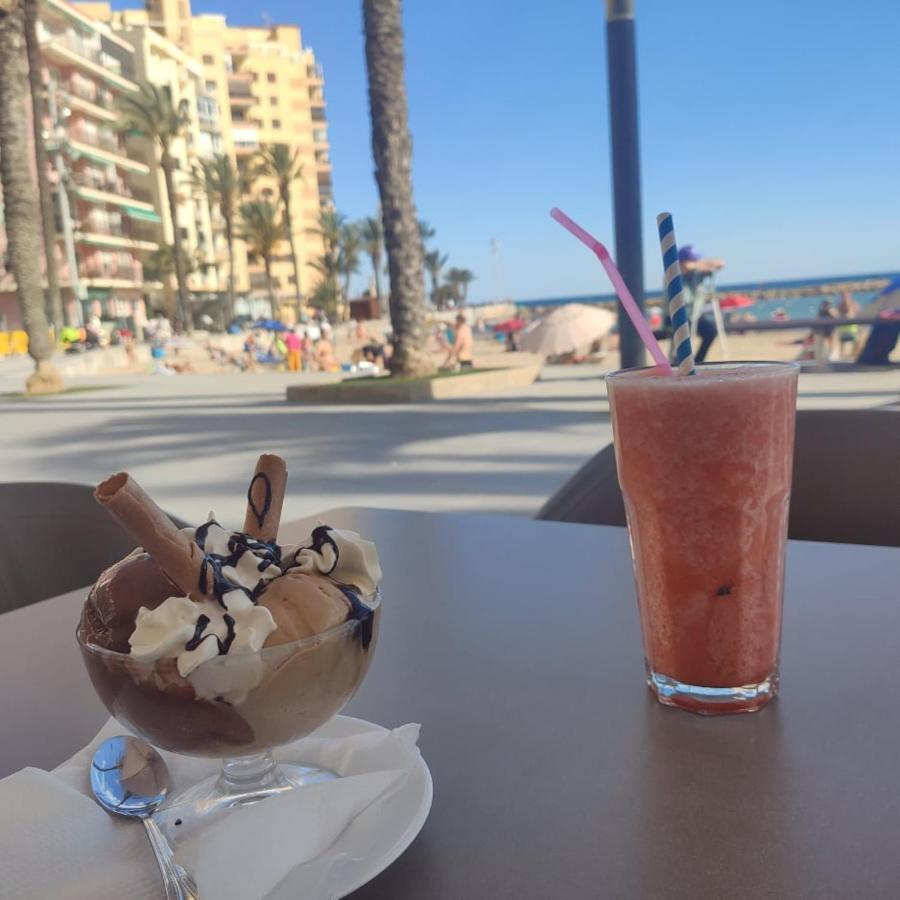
(179,885)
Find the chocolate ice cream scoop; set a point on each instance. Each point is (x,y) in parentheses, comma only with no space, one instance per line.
(109,613)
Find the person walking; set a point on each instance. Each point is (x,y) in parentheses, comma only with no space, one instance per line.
(294,346)
(695,274)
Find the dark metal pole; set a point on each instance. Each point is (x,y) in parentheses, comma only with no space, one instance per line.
(626,166)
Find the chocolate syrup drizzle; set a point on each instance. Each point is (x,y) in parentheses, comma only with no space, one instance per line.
(199,637)
(267,503)
(321,537)
(361,611)
(211,578)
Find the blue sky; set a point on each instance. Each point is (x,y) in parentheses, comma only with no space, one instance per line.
(769,129)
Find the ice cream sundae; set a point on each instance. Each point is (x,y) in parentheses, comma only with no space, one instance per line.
(224,643)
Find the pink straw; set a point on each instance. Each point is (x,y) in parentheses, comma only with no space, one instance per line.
(615,276)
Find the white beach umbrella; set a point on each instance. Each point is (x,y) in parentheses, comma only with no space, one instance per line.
(567,328)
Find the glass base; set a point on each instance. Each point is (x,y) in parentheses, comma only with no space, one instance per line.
(712,701)
(241,781)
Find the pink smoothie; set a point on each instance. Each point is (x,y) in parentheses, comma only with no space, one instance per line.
(705,468)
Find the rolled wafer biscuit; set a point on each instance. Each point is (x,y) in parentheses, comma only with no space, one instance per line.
(172,550)
(265,498)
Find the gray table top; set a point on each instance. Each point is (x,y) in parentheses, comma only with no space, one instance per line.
(516,645)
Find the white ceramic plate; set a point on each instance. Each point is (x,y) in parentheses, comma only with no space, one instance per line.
(371,842)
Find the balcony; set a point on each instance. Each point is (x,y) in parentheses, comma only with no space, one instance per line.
(88,107)
(70,49)
(131,205)
(320,136)
(79,147)
(123,241)
(246,140)
(317,113)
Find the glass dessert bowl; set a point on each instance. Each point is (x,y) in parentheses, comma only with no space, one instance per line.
(301,685)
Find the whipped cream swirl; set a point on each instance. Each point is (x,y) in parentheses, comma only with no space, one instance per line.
(341,555)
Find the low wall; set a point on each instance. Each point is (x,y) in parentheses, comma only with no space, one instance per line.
(416,390)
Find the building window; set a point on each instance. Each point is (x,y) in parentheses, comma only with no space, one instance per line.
(184,233)
(273,101)
(271,78)
(211,87)
(276,123)
(208,60)
(317,114)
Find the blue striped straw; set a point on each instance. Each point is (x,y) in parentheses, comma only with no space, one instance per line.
(681,329)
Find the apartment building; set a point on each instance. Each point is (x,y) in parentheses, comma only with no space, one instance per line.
(105,218)
(162,63)
(268,89)
(242,89)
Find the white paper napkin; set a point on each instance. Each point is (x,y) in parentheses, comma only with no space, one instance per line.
(56,842)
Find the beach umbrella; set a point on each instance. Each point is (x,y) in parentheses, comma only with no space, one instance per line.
(567,328)
(511,325)
(270,325)
(736,301)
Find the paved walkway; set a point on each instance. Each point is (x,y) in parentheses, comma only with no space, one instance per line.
(193,440)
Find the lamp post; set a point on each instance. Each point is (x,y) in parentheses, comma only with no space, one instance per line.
(626,170)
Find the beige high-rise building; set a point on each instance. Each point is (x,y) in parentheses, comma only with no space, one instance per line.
(268,89)
(274,95)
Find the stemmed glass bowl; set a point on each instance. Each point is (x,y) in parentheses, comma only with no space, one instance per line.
(297,687)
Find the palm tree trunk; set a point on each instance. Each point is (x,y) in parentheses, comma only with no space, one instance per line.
(20,202)
(229,239)
(168,167)
(267,260)
(392,151)
(48,226)
(376,266)
(289,227)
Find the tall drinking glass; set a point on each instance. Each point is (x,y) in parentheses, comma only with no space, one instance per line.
(705,464)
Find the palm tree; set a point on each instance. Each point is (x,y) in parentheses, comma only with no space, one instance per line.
(434,264)
(20,200)
(262,230)
(426,232)
(159,265)
(392,152)
(48,219)
(151,113)
(219,180)
(349,245)
(280,162)
(373,243)
(459,281)
(331,224)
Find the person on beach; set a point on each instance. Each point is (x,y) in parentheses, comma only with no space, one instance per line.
(848,308)
(250,352)
(827,311)
(294,347)
(463,343)
(695,274)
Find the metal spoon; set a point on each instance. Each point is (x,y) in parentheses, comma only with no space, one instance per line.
(129,778)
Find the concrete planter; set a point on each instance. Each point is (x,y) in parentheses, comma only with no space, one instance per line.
(417,390)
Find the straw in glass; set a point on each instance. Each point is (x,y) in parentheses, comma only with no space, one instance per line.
(615,276)
(681,329)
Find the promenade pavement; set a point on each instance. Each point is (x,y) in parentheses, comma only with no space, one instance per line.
(192,440)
